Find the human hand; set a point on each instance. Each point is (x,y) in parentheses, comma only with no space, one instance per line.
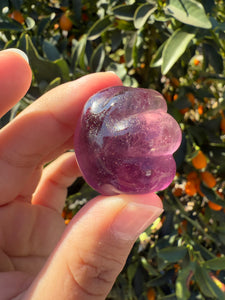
(39,257)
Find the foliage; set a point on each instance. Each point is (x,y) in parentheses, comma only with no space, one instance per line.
(178,48)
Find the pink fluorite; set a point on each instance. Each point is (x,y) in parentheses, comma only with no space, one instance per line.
(125,140)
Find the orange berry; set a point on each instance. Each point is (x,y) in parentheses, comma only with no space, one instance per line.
(65,23)
(184,110)
(168,97)
(17,16)
(214,206)
(63,214)
(67,221)
(222,124)
(177,192)
(63,8)
(191,98)
(183,227)
(196,62)
(122,59)
(200,109)
(151,294)
(208,179)
(175,97)
(190,188)
(71,38)
(199,161)
(219,193)
(192,175)
(176,267)
(175,82)
(56,26)
(84,17)
(69,215)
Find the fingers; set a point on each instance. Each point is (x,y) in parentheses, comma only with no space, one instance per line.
(52,189)
(94,248)
(15,78)
(43,130)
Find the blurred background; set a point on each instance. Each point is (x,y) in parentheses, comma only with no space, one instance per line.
(178,48)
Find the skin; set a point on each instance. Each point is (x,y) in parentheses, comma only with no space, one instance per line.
(41,258)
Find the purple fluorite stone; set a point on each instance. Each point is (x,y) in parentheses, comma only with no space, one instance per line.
(125,140)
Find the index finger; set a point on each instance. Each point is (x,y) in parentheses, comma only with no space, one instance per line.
(44,129)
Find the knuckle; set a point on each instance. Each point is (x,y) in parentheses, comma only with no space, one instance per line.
(95,274)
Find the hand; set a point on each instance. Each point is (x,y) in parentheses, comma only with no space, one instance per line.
(39,257)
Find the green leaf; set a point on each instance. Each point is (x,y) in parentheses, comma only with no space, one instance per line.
(97,58)
(119,69)
(157,57)
(116,39)
(124,25)
(130,48)
(39,65)
(21,42)
(130,81)
(215,264)
(77,7)
(131,270)
(16,4)
(211,195)
(99,27)
(172,254)
(55,82)
(207,286)
(212,57)
(148,267)
(160,280)
(175,47)
(125,12)
(4,3)
(12,25)
(182,282)
(11,44)
(30,23)
(142,14)
(189,12)
(42,24)
(138,48)
(78,54)
(63,69)
(50,51)
(81,51)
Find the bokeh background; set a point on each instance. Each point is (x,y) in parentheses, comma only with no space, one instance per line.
(178,48)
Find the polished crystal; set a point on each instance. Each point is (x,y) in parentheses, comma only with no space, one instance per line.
(125,140)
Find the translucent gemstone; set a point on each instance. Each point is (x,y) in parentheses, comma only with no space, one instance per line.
(125,140)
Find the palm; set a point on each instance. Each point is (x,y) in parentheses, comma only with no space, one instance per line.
(30,234)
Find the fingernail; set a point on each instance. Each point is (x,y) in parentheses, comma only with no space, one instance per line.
(111,72)
(20,52)
(133,219)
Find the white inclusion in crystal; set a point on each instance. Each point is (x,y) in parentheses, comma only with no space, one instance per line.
(121,125)
(95,107)
(148,173)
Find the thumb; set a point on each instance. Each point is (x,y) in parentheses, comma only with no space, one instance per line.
(94,247)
